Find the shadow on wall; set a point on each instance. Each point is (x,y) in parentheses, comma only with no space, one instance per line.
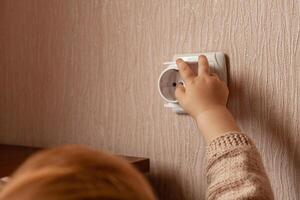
(275,124)
(281,133)
(166,185)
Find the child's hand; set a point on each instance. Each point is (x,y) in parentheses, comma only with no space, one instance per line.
(204,97)
(201,93)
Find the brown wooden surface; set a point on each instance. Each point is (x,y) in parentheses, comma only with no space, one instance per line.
(86,72)
(12,156)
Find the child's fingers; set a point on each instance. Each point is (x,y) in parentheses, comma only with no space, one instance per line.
(203,67)
(179,92)
(185,71)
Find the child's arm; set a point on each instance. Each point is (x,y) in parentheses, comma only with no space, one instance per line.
(234,166)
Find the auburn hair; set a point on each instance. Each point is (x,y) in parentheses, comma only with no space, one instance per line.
(76,173)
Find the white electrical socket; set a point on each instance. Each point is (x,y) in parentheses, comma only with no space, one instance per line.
(170,76)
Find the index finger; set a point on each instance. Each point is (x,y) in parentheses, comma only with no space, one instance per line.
(185,71)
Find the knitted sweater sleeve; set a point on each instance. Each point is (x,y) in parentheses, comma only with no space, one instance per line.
(234,170)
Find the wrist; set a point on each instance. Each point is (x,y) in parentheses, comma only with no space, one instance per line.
(216,122)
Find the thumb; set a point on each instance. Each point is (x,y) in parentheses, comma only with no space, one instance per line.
(179,92)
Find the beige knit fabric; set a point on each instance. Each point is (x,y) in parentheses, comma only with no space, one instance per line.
(235,170)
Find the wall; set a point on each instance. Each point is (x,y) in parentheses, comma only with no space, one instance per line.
(85,72)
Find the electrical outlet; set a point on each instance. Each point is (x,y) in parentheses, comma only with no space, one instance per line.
(170,77)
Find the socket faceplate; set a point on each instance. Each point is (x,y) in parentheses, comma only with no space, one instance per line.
(170,77)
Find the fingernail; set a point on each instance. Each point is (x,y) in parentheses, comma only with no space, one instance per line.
(179,60)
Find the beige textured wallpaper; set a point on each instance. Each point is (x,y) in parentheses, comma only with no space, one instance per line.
(86,71)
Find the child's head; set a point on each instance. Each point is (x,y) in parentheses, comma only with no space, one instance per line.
(76,173)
